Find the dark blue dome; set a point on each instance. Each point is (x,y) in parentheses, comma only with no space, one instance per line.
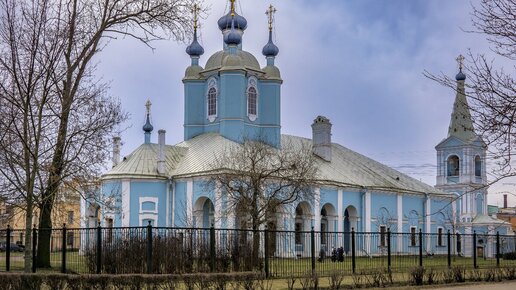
(195,49)
(270,49)
(460,76)
(233,37)
(225,22)
(148,126)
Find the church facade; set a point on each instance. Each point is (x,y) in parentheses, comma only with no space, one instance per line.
(233,98)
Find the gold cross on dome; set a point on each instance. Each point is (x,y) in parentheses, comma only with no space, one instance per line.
(148,104)
(232,7)
(460,60)
(195,11)
(270,14)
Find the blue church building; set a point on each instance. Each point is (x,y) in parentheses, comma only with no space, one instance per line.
(233,98)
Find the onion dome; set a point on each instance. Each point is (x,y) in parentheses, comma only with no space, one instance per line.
(225,22)
(460,76)
(270,49)
(148,126)
(195,49)
(233,37)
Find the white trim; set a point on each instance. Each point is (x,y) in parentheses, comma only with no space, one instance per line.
(173,217)
(252,83)
(154,200)
(399,211)
(148,216)
(189,200)
(218,206)
(126,202)
(428,220)
(167,202)
(317,209)
(367,220)
(340,212)
(212,83)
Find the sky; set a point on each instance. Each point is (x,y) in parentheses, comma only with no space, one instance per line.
(358,62)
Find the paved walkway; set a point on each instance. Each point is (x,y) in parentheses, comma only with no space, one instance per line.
(484,286)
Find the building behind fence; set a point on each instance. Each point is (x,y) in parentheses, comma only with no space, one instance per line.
(281,253)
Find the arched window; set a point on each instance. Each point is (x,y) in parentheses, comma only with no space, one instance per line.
(251,101)
(478,166)
(212,102)
(453,166)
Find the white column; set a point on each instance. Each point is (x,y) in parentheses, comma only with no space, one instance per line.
(317,210)
(399,210)
(218,206)
(428,222)
(340,218)
(173,205)
(340,212)
(317,221)
(189,201)
(126,199)
(367,221)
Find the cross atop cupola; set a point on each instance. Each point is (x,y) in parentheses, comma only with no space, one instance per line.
(195,11)
(232,9)
(460,61)
(270,14)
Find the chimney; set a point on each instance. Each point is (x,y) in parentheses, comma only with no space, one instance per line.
(505,201)
(321,137)
(116,150)
(161,152)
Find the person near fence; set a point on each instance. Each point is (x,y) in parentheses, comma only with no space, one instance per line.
(340,254)
(333,254)
(322,255)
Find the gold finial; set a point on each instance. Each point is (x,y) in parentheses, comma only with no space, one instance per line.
(148,104)
(195,11)
(460,60)
(232,7)
(270,13)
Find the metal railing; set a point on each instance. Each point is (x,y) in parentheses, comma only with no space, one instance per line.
(276,253)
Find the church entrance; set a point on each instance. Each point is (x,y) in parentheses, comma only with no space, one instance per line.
(350,222)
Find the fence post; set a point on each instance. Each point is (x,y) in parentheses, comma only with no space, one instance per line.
(34,241)
(149,248)
(212,248)
(266,250)
(63,250)
(353,257)
(420,247)
(99,249)
(8,249)
(312,249)
(448,237)
(497,249)
(389,248)
(475,249)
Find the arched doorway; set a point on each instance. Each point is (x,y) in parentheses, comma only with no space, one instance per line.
(328,220)
(204,213)
(302,225)
(458,237)
(350,222)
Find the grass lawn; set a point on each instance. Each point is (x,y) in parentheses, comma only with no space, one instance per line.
(285,267)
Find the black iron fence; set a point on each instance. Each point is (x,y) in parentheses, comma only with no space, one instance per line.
(160,250)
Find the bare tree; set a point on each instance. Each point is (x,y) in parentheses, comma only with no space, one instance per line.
(57,116)
(257,179)
(491,91)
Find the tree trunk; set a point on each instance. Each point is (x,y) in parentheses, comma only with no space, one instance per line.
(28,237)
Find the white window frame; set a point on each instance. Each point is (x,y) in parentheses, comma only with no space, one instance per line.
(148,214)
(440,235)
(415,234)
(383,235)
(252,83)
(212,83)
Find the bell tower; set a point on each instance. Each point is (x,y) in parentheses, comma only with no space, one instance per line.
(461,166)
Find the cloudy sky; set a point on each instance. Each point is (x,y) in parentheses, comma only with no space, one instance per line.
(358,62)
